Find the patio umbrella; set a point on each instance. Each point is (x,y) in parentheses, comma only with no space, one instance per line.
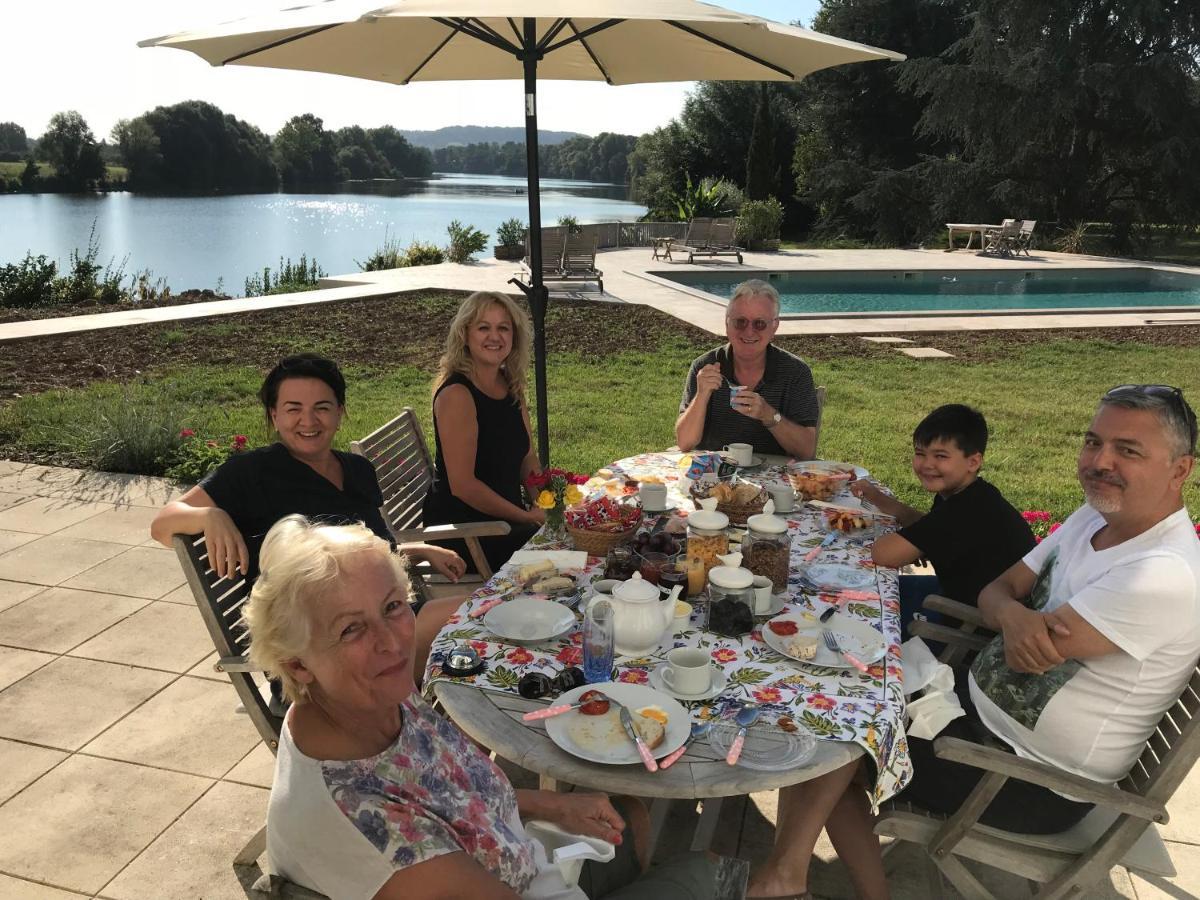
(617,41)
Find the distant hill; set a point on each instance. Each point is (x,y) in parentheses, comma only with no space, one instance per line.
(480,134)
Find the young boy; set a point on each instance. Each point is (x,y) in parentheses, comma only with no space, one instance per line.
(970,535)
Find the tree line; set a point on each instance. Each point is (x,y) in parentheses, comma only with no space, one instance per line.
(1068,111)
(602,158)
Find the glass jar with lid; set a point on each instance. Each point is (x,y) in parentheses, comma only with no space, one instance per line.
(767,549)
(731,600)
(707,539)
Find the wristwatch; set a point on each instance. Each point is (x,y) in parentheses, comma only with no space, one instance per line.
(775,420)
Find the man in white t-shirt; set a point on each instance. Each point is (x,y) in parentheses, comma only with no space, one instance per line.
(1100,623)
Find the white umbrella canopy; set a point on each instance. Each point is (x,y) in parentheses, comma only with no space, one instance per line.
(617,41)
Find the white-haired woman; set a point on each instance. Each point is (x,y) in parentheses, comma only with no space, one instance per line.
(375,795)
(481,424)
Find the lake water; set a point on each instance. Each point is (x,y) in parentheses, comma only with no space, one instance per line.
(194,241)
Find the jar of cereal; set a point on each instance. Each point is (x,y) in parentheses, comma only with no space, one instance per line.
(706,539)
(767,549)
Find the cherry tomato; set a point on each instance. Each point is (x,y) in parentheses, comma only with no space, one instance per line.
(594,703)
(784,627)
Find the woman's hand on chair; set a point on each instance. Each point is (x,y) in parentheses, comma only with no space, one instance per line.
(227,551)
(445,562)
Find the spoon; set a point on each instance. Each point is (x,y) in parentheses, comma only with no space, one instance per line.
(699,730)
(746,717)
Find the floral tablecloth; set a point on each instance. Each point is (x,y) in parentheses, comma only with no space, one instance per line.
(834,704)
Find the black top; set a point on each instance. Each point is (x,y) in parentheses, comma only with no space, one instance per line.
(501,448)
(971,538)
(262,486)
(787,385)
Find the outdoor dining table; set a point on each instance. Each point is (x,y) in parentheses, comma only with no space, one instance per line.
(970,228)
(849,713)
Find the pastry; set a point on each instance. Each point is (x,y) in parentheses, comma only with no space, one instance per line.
(802,646)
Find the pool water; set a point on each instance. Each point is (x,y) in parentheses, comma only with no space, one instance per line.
(1008,289)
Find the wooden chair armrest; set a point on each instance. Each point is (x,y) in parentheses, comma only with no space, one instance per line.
(968,615)
(449,532)
(931,631)
(1010,765)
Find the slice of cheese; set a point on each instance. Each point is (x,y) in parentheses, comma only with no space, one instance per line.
(532,570)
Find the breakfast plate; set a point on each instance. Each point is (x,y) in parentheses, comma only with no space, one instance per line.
(601,739)
(527,619)
(855,637)
(834,577)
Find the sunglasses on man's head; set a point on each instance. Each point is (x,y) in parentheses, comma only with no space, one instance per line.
(1164,392)
(741,323)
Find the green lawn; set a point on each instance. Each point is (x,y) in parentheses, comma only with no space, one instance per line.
(1038,399)
(14,170)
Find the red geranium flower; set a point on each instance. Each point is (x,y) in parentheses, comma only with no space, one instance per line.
(239,441)
(724,655)
(820,701)
(570,656)
(519,656)
(187,433)
(634,676)
(768,695)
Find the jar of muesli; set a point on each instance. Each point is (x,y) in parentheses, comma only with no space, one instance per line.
(767,549)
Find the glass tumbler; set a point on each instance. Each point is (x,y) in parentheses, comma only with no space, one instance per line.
(598,642)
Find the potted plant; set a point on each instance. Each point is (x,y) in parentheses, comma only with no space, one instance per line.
(510,237)
(758,224)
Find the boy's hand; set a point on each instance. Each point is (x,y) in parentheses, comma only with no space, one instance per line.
(864,490)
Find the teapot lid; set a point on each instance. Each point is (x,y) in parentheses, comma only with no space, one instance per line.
(768,524)
(709,520)
(636,588)
(731,578)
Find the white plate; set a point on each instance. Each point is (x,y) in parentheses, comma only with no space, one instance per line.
(526,619)
(827,465)
(614,747)
(833,577)
(719,682)
(856,637)
(767,748)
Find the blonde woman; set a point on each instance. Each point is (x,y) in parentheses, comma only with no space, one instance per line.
(481,424)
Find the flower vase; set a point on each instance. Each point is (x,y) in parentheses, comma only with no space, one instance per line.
(555,528)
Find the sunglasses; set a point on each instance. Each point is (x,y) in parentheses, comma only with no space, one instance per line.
(1167,392)
(741,323)
(535,685)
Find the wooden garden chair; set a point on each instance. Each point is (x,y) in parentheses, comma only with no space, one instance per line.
(1024,238)
(721,241)
(1117,832)
(579,259)
(1001,240)
(405,471)
(696,237)
(554,243)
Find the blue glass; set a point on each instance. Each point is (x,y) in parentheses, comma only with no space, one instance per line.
(598,642)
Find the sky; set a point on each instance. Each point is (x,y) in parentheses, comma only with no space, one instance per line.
(83,55)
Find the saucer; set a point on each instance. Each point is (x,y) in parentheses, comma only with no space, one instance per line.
(778,602)
(719,682)
(756,462)
(669,508)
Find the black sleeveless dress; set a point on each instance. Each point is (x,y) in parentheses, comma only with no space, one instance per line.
(501,448)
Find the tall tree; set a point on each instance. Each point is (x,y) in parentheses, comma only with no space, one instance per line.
(762,170)
(1073,109)
(205,149)
(140,152)
(406,160)
(71,148)
(13,139)
(304,152)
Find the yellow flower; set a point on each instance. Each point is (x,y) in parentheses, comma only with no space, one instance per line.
(545,500)
(573,495)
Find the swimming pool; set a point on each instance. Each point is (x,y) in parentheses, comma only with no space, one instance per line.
(810,293)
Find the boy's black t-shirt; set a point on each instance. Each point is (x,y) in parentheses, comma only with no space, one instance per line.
(262,486)
(971,538)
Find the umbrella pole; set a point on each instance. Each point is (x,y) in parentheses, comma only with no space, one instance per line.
(537,293)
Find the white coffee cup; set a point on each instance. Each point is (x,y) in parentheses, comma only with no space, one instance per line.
(688,671)
(653,496)
(784,497)
(742,454)
(762,594)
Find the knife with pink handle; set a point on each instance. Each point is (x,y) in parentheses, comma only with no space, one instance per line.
(816,551)
(551,711)
(745,718)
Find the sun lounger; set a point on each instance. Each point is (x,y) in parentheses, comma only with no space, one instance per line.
(579,260)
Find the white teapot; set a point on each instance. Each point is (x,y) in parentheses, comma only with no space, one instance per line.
(640,615)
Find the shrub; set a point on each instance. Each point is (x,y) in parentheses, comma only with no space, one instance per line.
(421,254)
(29,282)
(570,223)
(196,457)
(759,220)
(289,279)
(511,233)
(711,197)
(388,256)
(465,241)
(133,432)
(1072,239)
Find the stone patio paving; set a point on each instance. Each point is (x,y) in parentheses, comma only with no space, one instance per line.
(126,771)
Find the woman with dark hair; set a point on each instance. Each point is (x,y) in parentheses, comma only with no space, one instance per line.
(235,505)
(481,424)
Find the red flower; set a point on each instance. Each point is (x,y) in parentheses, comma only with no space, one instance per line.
(570,656)
(634,676)
(1035,515)
(239,441)
(820,701)
(768,695)
(724,655)
(481,647)
(519,656)
(187,433)
(1058,525)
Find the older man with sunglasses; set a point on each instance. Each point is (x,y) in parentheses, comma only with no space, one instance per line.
(750,391)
